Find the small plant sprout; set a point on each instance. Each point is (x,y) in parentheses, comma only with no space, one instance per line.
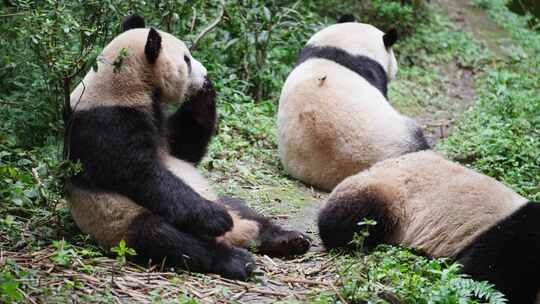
(117,63)
(359,238)
(122,252)
(64,253)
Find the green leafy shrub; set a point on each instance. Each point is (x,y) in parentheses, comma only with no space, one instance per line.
(501,135)
(395,275)
(403,15)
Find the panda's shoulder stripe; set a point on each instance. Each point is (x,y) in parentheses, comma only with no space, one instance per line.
(364,66)
(507,254)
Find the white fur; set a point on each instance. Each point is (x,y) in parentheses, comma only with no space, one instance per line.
(332,123)
(440,206)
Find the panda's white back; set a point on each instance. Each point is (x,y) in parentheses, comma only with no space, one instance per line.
(334,123)
(334,119)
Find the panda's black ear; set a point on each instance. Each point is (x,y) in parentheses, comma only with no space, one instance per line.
(131,22)
(390,38)
(153,45)
(346,18)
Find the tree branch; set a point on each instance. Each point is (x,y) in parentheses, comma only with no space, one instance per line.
(210,26)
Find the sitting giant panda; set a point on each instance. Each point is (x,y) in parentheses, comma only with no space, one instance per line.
(334,118)
(442,209)
(138,181)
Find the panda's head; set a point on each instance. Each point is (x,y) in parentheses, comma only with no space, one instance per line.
(141,62)
(360,39)
(166,60)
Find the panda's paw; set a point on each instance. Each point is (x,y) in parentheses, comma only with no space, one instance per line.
(214,220)
(237,264)
(286,243)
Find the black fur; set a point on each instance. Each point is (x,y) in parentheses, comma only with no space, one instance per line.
(507,255)
(153,46)
(366,67)
(132,22)
(338,220)
(273,240)
(157,240)
(346,18)
(188,62)
(118,148)
(192,126)
(390,38)
(420,143)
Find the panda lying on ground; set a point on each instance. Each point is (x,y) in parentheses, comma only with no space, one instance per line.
(423,201)
(138,181)
(334,119)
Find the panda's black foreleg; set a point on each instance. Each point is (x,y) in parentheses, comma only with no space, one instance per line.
(192,126)
(273,239)
(156,240)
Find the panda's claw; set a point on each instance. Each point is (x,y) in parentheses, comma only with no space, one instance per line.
(285,244)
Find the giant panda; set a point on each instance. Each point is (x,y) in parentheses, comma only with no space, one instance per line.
(138,181)
(334,118)
(442,209)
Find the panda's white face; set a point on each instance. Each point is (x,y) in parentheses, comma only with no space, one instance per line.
(178,73)
(174,73)
(358,39)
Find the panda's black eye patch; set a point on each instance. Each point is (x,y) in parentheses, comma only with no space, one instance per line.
(188,62)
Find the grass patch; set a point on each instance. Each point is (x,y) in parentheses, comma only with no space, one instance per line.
(501,135)
(394,275)
(420,87)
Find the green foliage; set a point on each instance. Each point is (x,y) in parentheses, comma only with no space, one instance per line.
(359,238)
(261,36)
(9,286)
(119,60)
(64,253)
(501,135)
(123,252)
(395,275)
(405,16)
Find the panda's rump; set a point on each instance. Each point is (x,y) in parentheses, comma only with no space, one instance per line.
(106,217)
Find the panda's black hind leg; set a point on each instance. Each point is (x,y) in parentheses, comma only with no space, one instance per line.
(273,239)
(156,240)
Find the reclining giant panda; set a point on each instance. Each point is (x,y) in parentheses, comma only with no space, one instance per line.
(138,181)
(334,119)
(423,201)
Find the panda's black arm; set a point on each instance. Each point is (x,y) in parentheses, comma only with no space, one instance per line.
(118,149)
(192,126)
